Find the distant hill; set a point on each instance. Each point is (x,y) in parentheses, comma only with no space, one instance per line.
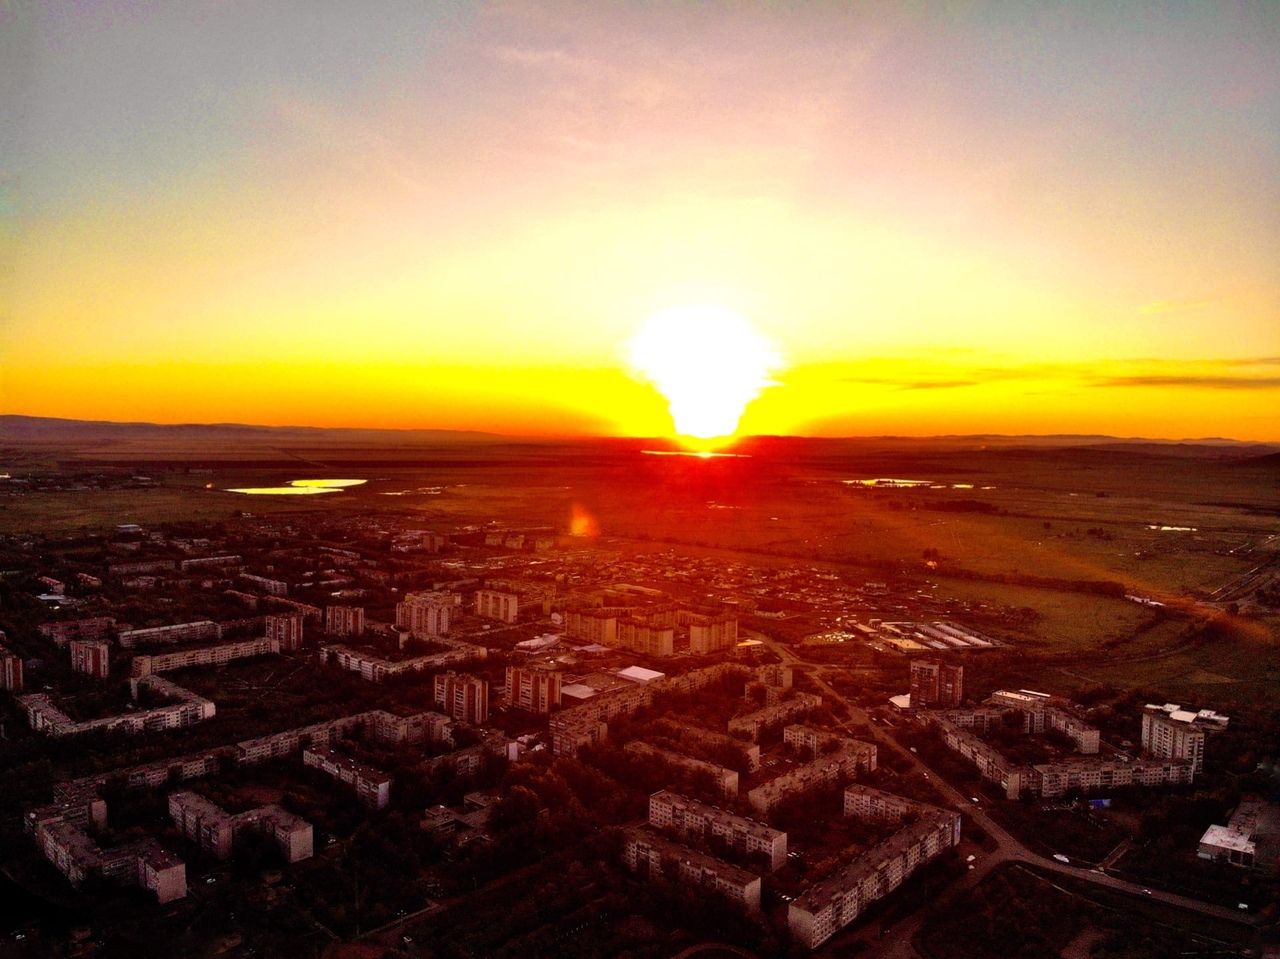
(47,432)
(41,429)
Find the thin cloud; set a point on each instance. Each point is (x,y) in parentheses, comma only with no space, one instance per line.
(1193,381)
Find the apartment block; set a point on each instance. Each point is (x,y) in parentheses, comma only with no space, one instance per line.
(196,632)
(586,724)
(272,587)
(372,786)
(44,717)
(492,604)
(992,765)
(695,821)
(425,614)
(818,741)
(209,562)
(285,629)
(375,668)
(531,689)
(91,657)
(571,732)
(10,670)
(1171,732)
(1056,779)
(61,633)
(462,696)
(142,567)
(711,634)
(1041,711)
(844,763)
(650,855)
(707,737)
(594,626)
(645,638)
(754,723)
(831,904)
(144,863)
(724,780)
(216,831)
(935,683)
(344,620)
(219,655)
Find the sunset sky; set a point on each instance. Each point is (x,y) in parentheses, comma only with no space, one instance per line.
(944,217)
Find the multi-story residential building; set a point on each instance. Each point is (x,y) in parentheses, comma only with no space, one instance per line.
(754,723)
(750,752)
(61,633)
(286,630)
(710,634)
(144,863)
(1040,711)
(91,656)
(344,620)
(1092,775)
(650,855)
(844,763)
(142,567)
(776,674)
(1086,773)
(1171,732)
(189,709)
(462,696)
(425,614)
(646,638)
(215,830)
(571,732)
(219,655)
(992,765)
(10,670)
(375,668)
(177,633)
(372,786)
(982,718)
(585,724)
(817,741)
(724,780)
(935,683)
(863,802)
(696,821)
(832,903)
(272,587)
(532,689)
(209,562)
(593,625)
(492,604)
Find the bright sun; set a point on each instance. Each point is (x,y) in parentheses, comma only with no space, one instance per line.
(709,364)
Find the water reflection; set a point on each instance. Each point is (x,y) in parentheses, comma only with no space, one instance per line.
(301,487)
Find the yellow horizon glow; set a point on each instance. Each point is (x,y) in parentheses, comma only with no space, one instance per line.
(469,237)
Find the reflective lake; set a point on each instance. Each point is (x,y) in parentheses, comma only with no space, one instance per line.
(301,487)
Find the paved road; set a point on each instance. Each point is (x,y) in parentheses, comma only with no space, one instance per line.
(1009,849)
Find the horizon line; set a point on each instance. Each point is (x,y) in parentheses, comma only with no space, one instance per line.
(4,417)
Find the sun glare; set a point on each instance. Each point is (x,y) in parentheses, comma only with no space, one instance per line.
(708,362)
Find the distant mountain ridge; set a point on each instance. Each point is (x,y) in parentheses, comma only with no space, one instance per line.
(19,429)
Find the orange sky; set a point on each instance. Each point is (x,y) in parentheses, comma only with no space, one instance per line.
(944,222)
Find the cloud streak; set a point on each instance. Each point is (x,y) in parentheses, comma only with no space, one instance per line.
(1212,374)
